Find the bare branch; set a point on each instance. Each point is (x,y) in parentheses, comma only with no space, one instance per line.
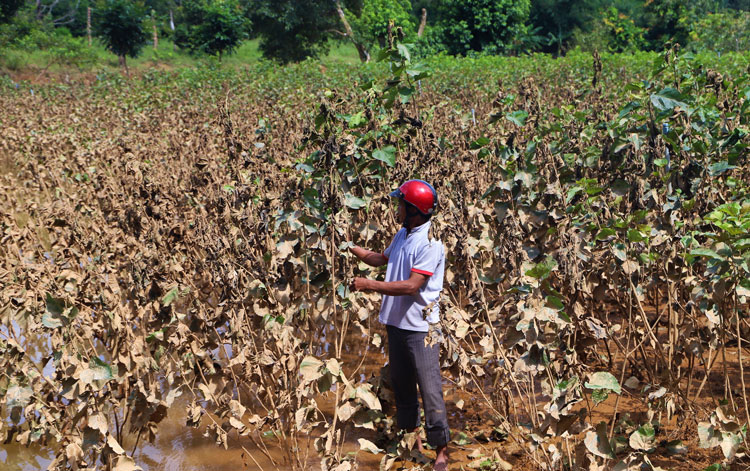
(364,55)
(422,23)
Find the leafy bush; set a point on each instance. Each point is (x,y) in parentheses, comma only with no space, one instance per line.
(370,25)
(721,32)
(119,24)
(559,20)
(211,27)
(72,51)
(290,30)
(623,32)
(42,38)
(13,59)
(52,46)
(466,26)
(20,26)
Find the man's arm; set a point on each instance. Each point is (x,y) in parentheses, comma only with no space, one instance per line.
(392,288)
(371,258)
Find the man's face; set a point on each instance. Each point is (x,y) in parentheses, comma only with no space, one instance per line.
(401,212)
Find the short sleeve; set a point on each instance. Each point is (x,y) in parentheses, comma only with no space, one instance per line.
(387,253)
(428,259)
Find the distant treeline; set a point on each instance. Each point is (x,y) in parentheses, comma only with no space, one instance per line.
(293,30)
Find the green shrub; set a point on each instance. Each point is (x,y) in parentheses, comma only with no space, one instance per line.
(72,51)
(119,24)
(13,59)
(623,32)
(479,25)
(20,26)
(370,26)
(614,32)
(43,38)
(213,28)
(721,32)
(46,47)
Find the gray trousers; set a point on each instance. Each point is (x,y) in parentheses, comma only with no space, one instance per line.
(412,364)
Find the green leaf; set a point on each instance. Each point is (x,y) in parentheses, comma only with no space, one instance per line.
(600,395)
(604,380)
(730,443)
(605,233)
(634,235)
(51,321)
(542,269)
(170,296)
(418,71)
(667,99)
(479,143)
(386,154)
(405,93)
(555,303)
(620,187)
(708,436)
(517,117)
(404,51)
(353,202)
(713,467)
(719,167)
(55,306)
(619,251)
(706,253)
(563,385)
(572,193)
(58,313)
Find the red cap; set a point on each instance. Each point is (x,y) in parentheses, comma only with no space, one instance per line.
(419,194)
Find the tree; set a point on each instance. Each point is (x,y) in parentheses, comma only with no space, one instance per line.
(8,9)
(293,30)
(370,23)
(214,27)
(120,26)
(59,12)
(557,19)
(490,26)
(623,32)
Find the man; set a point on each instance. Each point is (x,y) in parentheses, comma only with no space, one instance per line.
(411,290)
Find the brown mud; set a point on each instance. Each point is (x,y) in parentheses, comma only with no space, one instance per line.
(474,432)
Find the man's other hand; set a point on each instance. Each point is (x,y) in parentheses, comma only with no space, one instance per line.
(360,284)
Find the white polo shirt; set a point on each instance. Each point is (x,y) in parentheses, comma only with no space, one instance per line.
(407,253)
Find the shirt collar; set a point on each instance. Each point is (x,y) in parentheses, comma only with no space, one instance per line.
(419,229)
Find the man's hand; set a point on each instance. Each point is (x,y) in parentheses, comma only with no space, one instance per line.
(408,287)
(361,284)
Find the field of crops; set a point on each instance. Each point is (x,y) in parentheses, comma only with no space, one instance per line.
(181,238)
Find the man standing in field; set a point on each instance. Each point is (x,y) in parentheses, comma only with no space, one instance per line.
(411,291)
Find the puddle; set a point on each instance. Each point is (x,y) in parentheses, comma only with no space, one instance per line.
(181,448)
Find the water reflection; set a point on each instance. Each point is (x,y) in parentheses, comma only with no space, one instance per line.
(181,448)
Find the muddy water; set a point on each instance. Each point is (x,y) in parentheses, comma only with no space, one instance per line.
(181,448)
(176,448)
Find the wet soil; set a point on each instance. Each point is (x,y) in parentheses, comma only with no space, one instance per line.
(473,427)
